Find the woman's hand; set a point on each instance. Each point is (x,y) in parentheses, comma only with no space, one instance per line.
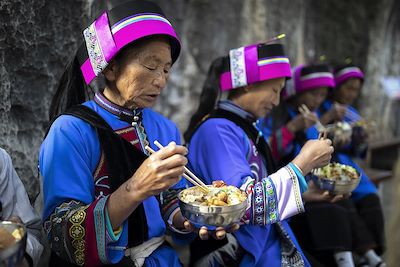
(179,222)
(314,154)
(341,141)
(219,233)
(314,194)
(359,135)
(301,122)
(158,172)
(336,113)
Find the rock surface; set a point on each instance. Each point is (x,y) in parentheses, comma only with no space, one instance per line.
(38,37)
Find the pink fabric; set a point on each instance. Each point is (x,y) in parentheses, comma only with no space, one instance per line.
(349,75)
(279,145)
(87,71)
(105,37)
(225,81)
(302,86)
(296,74)
(141,29)
(251,62)
(275,70)
(315,83)
(91,252)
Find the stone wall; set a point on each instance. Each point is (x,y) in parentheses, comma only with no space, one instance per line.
(37,37)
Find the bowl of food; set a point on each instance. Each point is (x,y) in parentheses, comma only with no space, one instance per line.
(339,132)
(338,179)
(222,205)
(12,243)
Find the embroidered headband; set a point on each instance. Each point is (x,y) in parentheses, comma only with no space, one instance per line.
(346,72)
(118,27)
(254,63)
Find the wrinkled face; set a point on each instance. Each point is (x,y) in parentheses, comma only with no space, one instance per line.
(261,97)
(142,73)
(313,98)
(348,91)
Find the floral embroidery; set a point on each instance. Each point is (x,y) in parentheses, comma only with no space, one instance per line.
(290,255)
(238,67)
(265,205)
(70,244)
(258,205)
(272,205)
(95,52)
(77,233)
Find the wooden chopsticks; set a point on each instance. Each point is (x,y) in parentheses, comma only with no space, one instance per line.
(303,109)
(322,135)
(188,175)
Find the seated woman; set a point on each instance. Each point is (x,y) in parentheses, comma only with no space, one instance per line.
(332,247)
(224,144)
(286,128)
(107,201)
(338,108)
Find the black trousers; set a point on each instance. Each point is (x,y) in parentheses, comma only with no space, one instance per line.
(326,228)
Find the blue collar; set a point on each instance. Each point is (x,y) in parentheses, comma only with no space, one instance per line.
(122,113)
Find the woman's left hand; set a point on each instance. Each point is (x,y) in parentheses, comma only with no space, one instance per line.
(315,194)
(219,233)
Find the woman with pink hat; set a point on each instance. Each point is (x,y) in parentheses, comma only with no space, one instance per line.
(224,143)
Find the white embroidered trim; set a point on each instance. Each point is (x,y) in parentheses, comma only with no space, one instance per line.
(238,67)
(96,56)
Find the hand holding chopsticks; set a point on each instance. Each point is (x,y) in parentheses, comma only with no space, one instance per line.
(314,154)
(305,111)
(323,135)
(188,175)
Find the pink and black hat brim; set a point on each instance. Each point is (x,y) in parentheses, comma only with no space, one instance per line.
(260,62)
(312,77)
(347,72)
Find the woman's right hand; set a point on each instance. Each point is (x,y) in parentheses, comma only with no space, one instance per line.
(335,113)
(314,154)
(301,122)
(158,172)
